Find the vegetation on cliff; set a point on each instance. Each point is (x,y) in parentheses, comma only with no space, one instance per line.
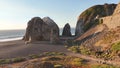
(97,11)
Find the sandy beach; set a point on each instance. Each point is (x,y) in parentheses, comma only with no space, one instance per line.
(18,48)
(13,49)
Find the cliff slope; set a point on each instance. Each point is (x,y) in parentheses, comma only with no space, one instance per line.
(87,18)
(105,37)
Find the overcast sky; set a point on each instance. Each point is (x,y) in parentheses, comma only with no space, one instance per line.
(14,14)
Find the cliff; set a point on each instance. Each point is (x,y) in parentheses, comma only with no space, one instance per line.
(104,37)
(86,18)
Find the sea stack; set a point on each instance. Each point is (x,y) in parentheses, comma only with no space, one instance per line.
(42,30)
(67,30)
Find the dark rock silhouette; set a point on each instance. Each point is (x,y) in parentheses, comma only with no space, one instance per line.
(42,30)
(67,30)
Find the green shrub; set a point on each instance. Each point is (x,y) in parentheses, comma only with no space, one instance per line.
(84,50)
(69,43)
(116,47)
(75,49)
(102,66)
(95,66)
(100,21)
(80,49)
(60,54)
(54,54)
(5,61)
(19,59)
(58,66)
(33,56)
(77,61)
(105,56)
(53,58)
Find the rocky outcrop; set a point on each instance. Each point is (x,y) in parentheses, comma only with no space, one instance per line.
(87,19)
(42,30)
(67,30)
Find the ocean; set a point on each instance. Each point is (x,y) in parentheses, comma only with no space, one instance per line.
(10,35)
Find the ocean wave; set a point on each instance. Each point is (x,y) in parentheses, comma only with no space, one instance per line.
(13,36)
(10,39)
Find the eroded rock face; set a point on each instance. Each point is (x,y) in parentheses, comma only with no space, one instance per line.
(66,30)
(79,28)
(112,21)
(54,30)
(42,30)
(87,18)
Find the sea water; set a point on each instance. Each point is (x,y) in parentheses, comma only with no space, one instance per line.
(10,35)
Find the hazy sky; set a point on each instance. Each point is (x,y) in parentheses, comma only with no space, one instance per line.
(14,14)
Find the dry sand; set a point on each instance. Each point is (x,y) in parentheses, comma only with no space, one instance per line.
(18,48)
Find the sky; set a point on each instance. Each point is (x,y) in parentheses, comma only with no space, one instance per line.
(14,14)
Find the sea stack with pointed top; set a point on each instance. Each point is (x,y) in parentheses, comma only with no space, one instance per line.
(42,30)
(67,30)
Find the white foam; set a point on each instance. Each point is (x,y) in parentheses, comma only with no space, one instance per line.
(10,39)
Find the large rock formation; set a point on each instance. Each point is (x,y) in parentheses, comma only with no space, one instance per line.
(104,35)
(42,30)
(54,30)
(87,19)
(67,30)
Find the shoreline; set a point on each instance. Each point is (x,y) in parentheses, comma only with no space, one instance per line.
(11,39)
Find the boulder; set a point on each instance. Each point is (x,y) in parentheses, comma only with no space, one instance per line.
(66,30)
(42,30)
